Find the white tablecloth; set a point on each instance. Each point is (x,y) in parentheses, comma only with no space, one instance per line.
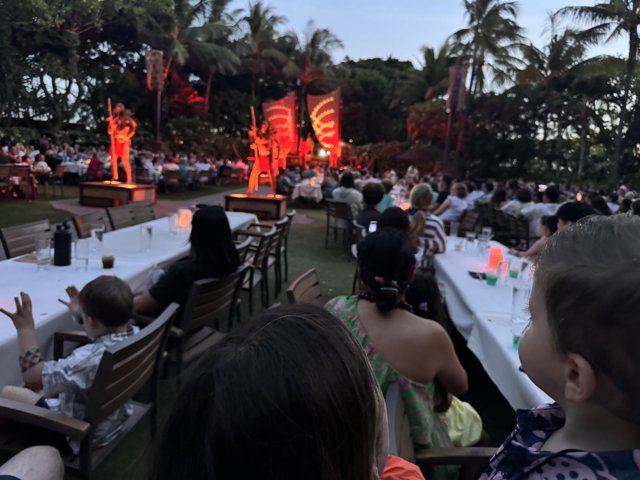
(481,314)
(46,287)
(79,167)
(306,190)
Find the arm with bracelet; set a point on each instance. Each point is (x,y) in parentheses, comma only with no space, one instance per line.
(30,358)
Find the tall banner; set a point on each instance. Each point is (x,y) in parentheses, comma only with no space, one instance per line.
(324,111)
(155,70)
(281,116)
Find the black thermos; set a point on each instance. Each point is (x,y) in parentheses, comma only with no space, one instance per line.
(62,246)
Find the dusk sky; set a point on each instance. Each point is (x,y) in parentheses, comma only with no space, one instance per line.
(377,28)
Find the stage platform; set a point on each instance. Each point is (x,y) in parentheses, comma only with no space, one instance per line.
(107,194)
(265,207)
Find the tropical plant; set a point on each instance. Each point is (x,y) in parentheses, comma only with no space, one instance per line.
(610,20)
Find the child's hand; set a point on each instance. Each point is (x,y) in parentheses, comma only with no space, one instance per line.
(73,303)
(23,317)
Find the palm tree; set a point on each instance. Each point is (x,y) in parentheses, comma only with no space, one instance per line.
(313,62)
(613,19)
(259,42)
(489,41)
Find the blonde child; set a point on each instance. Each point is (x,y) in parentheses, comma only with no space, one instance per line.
(581,348)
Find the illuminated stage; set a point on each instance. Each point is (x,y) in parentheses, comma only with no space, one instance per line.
(265,207)
(107,194)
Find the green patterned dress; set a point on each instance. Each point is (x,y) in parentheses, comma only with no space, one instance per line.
(427,428)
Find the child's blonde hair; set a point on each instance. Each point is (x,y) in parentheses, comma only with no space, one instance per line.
(589,276)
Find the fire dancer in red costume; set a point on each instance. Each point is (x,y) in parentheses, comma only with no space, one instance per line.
(121,128)
(266,150)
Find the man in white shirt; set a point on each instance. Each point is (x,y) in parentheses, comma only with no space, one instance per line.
(549,206)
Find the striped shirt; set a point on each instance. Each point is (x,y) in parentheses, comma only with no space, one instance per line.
(434,235)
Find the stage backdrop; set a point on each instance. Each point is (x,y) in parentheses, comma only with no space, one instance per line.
(281,116)
(324,111)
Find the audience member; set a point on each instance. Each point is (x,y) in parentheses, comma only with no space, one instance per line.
(104,305)
(549,206)
(404,347)
(523,199)
(394,217)
(213,254)
(444,188)
(424,225)
(599,205)
(613,202)
(498,198)
(548,226)
(372,194)
(292,388)
(581,348)
(570,212)
(347,192)
(453,207)
(387,199)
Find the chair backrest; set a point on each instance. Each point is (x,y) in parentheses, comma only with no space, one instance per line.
(22,171)
(59,171)
(4,171)
(120,217)
(21,239)
(305,289)
(469,221)
(278,238)
(519,231)
(84,223)
(337,209)
(361,232)
(400,441)
(171,176)
(212,300)
(263,246)
(243,249)
(142,212)
(125,368)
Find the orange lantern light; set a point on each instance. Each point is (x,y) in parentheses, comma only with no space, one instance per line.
(184,218)
(496,257)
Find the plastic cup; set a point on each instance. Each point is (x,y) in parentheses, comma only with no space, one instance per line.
(519,311)
(146,233)
(83,249)
(470,242)
(454,227)
(492,277)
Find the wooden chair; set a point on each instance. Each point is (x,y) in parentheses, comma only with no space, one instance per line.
(274,258)
(27,181)
(339,218)
(285,244)
(258,260)
(84,223)
(142,212)
(212,302)
(55,179)
(130,214)
(124,369)
(305,289)
(21,239)
(172,179)
(5,186)
(469,222)
(401,444)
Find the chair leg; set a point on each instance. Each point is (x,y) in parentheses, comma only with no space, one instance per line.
(286,265)
(326,237)
(265,278)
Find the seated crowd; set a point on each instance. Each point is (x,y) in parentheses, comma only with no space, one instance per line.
(299,391)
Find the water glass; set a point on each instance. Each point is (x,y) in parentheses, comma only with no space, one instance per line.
(97,234)
(146,233)
(43,253)
(519,311)
(173,223)
(487,232)
(454,227)
(515,267)
(83,248)
(470,242)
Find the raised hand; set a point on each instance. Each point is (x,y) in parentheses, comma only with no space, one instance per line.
(22,318)
(73,303)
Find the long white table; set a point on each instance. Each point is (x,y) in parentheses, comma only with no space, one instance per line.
(46,287)
(481,314)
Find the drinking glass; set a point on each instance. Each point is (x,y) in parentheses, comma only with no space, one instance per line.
(470,241)
(43,253)
(97,234)
(83,248)
(146,233)
(454,227)
(515,267)
(173,223)
(519,311)
(487,232)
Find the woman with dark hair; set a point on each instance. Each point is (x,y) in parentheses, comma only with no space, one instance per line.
(403,347)
(347,192)
(213,254)
(290,388)
(570,212)
(499,198)
(394,217)
(599,205)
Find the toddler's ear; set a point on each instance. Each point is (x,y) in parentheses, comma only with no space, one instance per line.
(579,378)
